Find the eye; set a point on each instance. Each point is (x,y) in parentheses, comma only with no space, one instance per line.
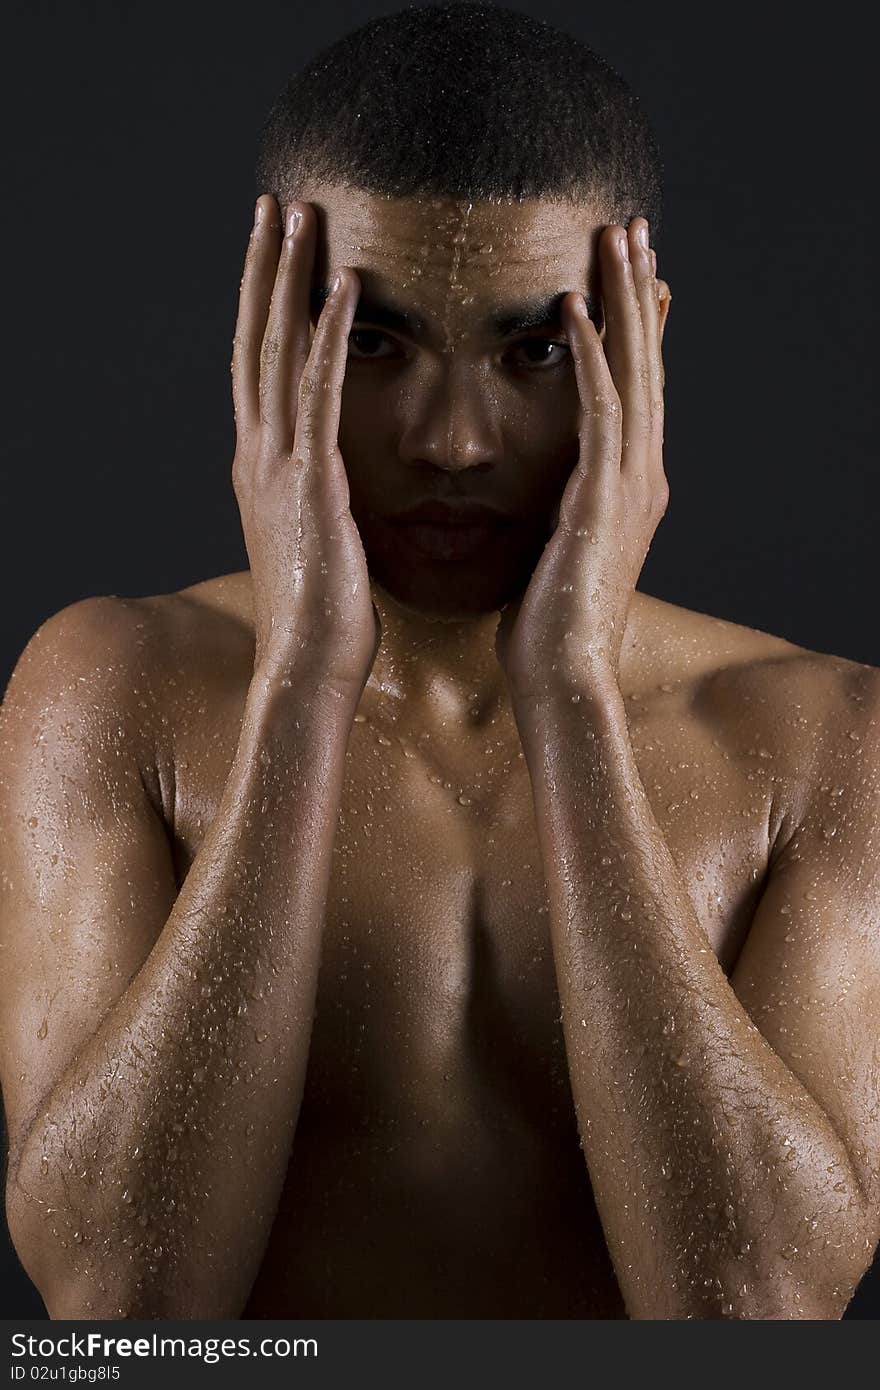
(540,353)
(366,344)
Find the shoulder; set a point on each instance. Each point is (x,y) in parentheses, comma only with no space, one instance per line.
(80,651)
(109,677)
(715,659)
(128,646)
(80,696)
(810,720)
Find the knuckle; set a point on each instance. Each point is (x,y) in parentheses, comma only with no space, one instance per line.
(308,386)
(271,349)
(608,404)
(240,474)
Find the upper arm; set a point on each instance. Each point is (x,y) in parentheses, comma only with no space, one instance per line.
(86,871)
(809,972)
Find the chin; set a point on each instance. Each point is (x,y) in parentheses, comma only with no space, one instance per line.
(447,596)
(469,586)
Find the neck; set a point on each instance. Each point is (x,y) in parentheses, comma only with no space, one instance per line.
(443,667)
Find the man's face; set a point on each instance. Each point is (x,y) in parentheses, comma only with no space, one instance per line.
(458,382)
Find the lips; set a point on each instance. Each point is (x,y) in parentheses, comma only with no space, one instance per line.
(449,542)
(449,531)
(436,513)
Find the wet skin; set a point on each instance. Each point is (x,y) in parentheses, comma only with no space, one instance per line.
(438,1139)
(437,1168)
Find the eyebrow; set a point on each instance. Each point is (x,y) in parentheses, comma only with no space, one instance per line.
(513,318)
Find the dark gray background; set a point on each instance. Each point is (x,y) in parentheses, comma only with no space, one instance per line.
(131,197)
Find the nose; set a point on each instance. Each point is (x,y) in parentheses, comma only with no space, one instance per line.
(452,420)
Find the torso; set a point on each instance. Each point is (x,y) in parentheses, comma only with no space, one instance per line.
(436,1169)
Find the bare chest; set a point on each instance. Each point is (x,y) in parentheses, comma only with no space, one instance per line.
(436,955)
(437,1097)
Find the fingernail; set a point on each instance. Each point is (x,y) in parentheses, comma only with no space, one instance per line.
(293,220)
(642,235)
(259,213)
(336,283)
(624,248)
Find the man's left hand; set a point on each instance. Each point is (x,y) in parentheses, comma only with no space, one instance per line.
(563,636)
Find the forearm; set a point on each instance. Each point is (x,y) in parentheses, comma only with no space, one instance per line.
(151,1177)
(722,1186)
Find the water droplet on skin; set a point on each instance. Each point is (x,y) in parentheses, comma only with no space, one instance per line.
(43,1028)
(464,800)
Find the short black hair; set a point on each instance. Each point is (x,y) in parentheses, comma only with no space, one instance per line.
(466,100)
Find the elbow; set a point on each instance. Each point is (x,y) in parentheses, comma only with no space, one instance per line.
(47,1271)
(26,1223)
(49,1260)
(812,1276)
(819,1289)
(105,1292)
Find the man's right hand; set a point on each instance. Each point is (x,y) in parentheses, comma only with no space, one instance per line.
(313,611)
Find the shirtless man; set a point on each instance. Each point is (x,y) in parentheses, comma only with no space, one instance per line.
(368,957)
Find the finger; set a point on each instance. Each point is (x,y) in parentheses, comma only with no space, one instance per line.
(601,413)
(286,339)
(643,261)
(664,300)
(320,388)
(255,293)
(624,343)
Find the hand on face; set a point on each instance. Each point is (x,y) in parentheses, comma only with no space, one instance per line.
(564,634)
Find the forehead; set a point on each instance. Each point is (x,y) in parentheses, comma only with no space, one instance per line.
(436,252)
